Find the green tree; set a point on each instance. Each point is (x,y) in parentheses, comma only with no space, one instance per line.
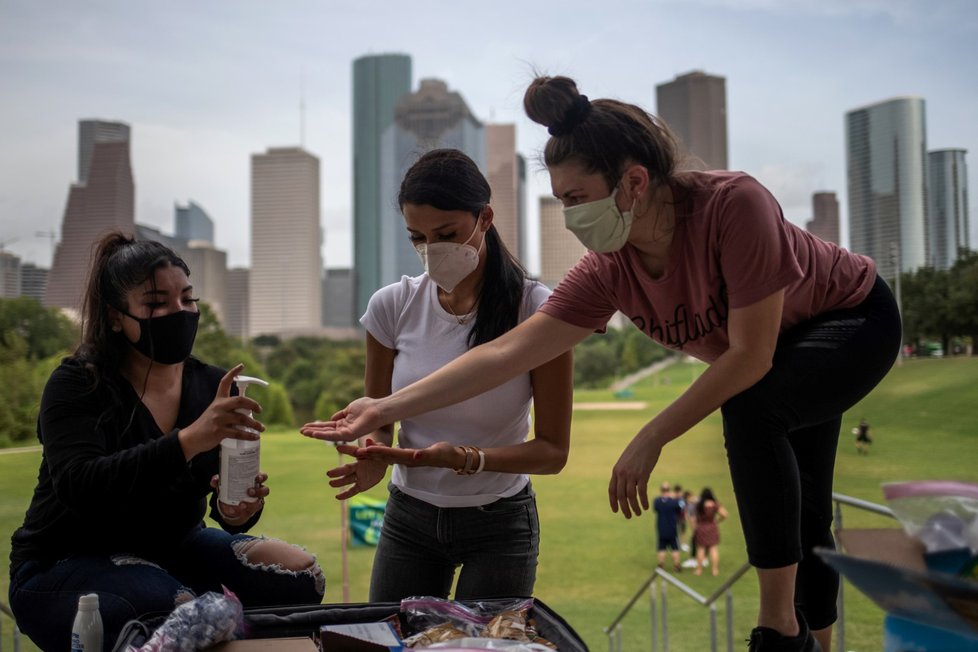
(275,405)
(44,330)
(963,297)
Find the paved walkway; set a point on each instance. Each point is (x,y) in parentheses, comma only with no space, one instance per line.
(25,449)
(631,379)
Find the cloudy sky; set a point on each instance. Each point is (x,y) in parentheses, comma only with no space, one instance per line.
(206,84)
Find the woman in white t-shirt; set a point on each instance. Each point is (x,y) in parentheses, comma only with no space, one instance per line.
(460,488)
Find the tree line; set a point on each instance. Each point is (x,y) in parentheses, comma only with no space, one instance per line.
(314,377)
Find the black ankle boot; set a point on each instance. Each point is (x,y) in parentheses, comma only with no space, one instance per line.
(765,639)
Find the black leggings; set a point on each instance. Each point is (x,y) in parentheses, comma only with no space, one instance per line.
(781,437)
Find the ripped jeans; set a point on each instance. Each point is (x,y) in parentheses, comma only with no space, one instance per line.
(44,597)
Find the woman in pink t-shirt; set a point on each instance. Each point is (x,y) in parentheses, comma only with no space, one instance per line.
(795,331)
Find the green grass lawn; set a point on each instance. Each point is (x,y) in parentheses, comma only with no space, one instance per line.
(924,423)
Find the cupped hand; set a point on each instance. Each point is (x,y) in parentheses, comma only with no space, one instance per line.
(628,489)
(221,420)
(442,454)
(236,514)
(362,474)
(359,418)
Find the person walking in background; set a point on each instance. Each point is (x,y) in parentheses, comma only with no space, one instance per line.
(130,426)
(863,440)
(668,511)
(707,534)
(677,493)
(795,331)
(689,517)
(460,492)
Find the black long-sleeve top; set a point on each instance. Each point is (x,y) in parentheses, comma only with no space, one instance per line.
(110,480)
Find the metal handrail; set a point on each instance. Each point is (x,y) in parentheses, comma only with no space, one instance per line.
(5,611)
(613,631)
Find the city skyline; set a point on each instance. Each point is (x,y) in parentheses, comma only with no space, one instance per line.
(203,89)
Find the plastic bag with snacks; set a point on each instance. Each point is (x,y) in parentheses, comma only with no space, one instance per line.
(198,624)
(424,612)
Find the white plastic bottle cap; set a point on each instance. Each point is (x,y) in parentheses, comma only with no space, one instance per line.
(88,602)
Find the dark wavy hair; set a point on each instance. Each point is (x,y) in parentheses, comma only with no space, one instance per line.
(601,135)
(705,495)
(449,180)
(120,263)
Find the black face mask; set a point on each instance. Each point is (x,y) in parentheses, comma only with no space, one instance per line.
(168,339)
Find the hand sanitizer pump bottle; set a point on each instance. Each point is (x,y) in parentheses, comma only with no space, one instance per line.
(240,457)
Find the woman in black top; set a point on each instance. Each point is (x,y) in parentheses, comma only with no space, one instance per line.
(131,427)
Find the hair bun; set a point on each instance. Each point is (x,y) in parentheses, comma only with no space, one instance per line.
(555,103)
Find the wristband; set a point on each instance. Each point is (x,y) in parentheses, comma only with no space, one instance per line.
(482,460)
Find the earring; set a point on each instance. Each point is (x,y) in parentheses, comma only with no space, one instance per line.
(116,328)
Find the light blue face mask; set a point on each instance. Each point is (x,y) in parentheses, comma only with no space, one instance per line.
(599,225)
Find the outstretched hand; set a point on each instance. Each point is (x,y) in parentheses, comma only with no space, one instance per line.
(359,418)
(362,474)
(629,486)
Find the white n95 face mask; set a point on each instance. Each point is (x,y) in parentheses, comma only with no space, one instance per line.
(448,263)
(599,225)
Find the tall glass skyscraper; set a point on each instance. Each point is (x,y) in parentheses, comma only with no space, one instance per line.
(379,81)
(193,223)
(947,211)
(886,166)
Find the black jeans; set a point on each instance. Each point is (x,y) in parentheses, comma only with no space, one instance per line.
(781,437)
(422,545)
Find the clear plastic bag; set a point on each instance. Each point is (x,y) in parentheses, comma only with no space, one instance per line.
(943,515)
(489,644)
(198,624)
(422,613)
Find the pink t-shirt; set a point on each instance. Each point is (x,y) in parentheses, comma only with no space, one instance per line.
(732,247)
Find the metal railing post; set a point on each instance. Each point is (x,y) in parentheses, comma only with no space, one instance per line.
(653,587)
(840,600)
(729,600)
(713,628)
(665,620)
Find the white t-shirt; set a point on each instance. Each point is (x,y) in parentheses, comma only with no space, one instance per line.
(408,318)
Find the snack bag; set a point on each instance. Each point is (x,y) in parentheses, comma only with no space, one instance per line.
(943,516)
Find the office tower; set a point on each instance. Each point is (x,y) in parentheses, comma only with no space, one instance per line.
(379,81)
(208,274)
(524,251)
(430,118)
(503,172)
(191,222)
(694,106)
(101,201)
(236,313)
(947,211)
(285,295)
(9,275)
(147,232)
(559,248)
(825,217)
(97,131)
(338,299)
(33,280)
(886,168)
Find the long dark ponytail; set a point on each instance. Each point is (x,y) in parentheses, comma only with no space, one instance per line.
(449,180)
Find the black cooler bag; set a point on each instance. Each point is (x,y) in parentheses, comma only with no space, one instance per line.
(282,622)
